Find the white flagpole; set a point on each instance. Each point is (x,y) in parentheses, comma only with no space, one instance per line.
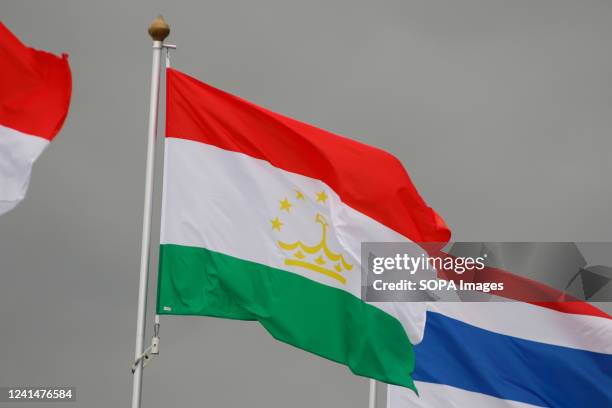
(158,30)
(372,402)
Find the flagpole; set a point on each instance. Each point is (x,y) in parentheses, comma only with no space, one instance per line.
(372,401)
(158,30)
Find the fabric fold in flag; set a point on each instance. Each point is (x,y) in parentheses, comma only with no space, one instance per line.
(263,219)
(35,90)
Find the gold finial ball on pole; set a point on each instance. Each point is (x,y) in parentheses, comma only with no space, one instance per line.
(159,29)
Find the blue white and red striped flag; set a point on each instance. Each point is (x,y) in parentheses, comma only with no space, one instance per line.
(511,354)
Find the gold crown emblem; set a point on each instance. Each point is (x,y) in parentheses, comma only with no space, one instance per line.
(317,258)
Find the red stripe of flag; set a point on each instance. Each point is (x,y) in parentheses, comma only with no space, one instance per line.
(35,88)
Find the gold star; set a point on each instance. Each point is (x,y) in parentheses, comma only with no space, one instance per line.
(321,197)
(276,224)
(299,195)
(285,205)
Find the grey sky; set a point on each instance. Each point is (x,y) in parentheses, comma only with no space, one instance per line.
(500,111)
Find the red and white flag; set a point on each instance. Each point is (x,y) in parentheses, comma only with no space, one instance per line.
(35,89)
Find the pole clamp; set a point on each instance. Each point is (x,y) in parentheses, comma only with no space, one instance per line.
(153,349)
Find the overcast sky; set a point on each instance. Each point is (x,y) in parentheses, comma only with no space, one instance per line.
(500,111)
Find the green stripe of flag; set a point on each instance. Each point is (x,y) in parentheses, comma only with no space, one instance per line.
(321,319)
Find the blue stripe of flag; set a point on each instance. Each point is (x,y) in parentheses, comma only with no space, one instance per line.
(467,357)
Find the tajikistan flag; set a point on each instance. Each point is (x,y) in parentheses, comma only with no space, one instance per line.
(35,88)
(263,219)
